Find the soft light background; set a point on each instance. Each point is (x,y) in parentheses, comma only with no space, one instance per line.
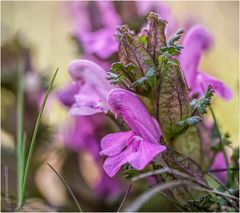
(47,26)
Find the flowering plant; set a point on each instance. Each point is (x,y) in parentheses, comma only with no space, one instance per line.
(158,98)
(141,119)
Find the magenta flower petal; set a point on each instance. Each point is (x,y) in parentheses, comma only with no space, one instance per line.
(92,97)
(219,87)
(113,164)
(66,96)
(143,152)
(88,72)
(96,40)
(88,102)
(125,103)
(137,147)
(219,163)
(107,187)
(78,138)
(196,41)
(113,144)
(77,110)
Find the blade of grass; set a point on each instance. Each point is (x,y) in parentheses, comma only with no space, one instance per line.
(220,170)
(23,151)
(33,141)
(20,111)
(170,171)
(146,196)
(125,197)
(67,186)
(143,198)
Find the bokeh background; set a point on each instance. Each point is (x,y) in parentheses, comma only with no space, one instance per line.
(47,27)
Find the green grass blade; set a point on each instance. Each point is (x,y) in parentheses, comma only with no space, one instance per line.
(67,186)
(125,197)
(33,141)
(20,112)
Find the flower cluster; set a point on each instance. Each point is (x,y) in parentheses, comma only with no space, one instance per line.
(157,96)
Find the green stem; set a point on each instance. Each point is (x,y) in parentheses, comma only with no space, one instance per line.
(222,145)
(20,111)
(33,141)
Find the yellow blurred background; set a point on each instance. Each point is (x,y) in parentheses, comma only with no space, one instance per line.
(47,27)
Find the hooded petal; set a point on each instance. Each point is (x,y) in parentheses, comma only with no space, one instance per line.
(113,144)
(113,164)
(77,110)
(196,41)
(143,152)
(89,72)
(66,96)
(90,99)
(219,87)
(134,114)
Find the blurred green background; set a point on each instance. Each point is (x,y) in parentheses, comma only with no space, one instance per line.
(47,27)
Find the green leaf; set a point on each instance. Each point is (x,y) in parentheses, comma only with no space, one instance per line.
(173,103)
(130,173)
(177,161)
(148,79)
(171,50)
(199,106)
(119,73)
(205,203)
(176,37)
(131,50)
(156,35)
(143,39)
(118,66)
(115,78)
(189,144)
(192,121)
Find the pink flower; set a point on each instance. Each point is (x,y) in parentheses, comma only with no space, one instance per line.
(66,95)
(138,146)
(92,96)
(219,163)
(107,187)
(83,135)
(95,23)
(196,41)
